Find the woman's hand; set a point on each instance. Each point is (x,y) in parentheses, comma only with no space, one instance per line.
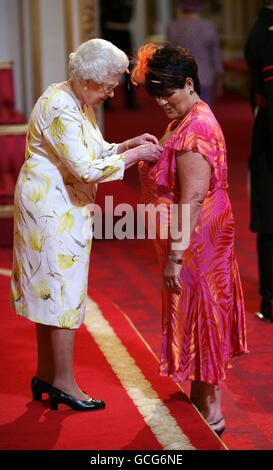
(141,140)
(171,277)
(137,141)
(146,152)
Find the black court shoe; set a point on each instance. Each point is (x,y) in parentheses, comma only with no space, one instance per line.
(56,396)
(38,387)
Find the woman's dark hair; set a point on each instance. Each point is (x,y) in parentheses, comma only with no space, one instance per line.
(168,68)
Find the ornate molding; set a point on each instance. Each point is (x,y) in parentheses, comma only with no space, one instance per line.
(88,19)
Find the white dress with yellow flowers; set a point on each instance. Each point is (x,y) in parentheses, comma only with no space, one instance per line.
(66,157)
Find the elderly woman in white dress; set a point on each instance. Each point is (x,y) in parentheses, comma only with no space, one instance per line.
(66,158)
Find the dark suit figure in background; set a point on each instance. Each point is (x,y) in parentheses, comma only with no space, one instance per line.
(259,56)
(115,27)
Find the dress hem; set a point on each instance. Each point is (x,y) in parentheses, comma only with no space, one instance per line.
(176,377)
(47,323)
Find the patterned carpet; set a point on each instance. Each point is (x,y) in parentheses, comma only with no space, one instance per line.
(126,272)
(112,362)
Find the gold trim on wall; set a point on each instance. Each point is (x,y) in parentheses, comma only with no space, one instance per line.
(6,211)
(89,28)
(13,129)
(6,64)
(88,19)
(22,47)
(36,47)
(68,26)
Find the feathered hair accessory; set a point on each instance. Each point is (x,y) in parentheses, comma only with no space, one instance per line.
(141,68)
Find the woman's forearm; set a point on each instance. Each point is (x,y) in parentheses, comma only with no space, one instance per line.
(149,152)
(194,174)
(124,146)
(142,139)
(131,157)
(194,213)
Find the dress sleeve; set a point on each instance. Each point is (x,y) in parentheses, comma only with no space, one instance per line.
(64,134)
(198,138)
(206,139)
(109,149)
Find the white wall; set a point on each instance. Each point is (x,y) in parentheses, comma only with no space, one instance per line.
(10,44)
(16,45)
(27,75)
(52,40)
(16,42)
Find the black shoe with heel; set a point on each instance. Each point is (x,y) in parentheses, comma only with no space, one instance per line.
(56,397)
(39,387)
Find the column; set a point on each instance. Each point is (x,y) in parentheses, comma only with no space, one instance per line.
(163,17)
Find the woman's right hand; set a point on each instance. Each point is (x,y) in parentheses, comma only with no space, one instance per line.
(146,152)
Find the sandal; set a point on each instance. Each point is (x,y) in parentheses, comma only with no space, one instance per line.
(220,431)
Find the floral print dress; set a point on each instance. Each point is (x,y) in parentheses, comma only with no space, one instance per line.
(66,158)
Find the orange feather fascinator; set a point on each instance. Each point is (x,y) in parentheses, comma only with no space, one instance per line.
(141,68)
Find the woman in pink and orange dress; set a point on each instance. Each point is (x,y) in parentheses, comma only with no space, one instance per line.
(203,314)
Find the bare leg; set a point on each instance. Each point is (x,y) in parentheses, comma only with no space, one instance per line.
(207,398)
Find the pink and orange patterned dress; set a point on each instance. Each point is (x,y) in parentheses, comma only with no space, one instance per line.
(204,327)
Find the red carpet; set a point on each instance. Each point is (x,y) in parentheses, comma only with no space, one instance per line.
(142,411)
(133,283)
(127,275)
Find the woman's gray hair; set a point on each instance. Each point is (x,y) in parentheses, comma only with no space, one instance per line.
(97,60)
